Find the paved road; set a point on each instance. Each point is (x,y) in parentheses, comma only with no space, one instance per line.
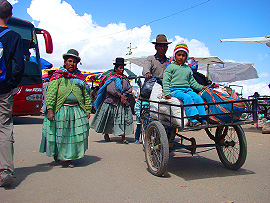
(113,172)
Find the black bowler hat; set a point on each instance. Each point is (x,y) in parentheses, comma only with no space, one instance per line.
(119,61)
(74,53)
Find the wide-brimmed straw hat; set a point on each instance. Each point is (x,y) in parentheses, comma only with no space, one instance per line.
(161,39)
(72,52)
(119,61)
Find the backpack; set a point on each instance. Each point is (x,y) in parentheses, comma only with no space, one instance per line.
(3,68)
(201,79)
(224,112)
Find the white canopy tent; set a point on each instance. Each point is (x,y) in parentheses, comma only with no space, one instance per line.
(218,71)
(230,71)
(207,61)
(260,40)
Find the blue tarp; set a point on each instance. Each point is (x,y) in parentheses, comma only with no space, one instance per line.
(44,63)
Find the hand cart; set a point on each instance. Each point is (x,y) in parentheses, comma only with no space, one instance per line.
(158,136)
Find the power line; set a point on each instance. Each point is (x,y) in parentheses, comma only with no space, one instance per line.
(158,19)
(176,13)
(153,21)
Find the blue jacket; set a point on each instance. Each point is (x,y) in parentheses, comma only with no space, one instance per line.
(13,52)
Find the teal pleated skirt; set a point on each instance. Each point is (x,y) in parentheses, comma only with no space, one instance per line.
(67,135)
(111,119)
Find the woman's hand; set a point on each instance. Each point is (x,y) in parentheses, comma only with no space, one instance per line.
(50,115)
(123,99)
(169,96)
(88,115)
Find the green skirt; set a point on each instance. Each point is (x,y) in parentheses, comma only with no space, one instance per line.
(116,120)
(67,135)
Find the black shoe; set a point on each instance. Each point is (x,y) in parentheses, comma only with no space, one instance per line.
(107,138)
(68,164)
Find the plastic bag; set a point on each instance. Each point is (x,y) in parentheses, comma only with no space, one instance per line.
(147,87)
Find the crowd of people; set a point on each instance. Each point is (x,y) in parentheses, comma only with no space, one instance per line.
(67,103)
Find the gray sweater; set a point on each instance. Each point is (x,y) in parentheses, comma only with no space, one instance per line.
(153,66)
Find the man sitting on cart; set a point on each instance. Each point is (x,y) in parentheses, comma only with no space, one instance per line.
(156,64)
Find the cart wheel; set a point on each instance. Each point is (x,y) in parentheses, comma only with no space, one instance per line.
(232,146)
(156,148)
(211,132)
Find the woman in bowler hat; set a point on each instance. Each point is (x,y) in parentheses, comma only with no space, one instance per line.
(114,115)
(67,111)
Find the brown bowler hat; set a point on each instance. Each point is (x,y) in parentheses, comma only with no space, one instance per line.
(161,39)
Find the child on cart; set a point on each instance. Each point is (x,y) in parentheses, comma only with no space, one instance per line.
(178,81)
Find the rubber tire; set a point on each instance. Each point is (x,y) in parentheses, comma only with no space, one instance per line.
(156,129)
(225,153)
(210,132)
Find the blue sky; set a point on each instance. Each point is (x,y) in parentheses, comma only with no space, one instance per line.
(100,30)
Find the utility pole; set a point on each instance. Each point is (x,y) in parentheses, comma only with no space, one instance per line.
(130,52)
(130,48)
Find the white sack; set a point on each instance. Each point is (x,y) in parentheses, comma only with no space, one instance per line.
(157,90)
(156,95)
(174,110)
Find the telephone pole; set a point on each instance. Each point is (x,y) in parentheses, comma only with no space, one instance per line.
(130,48)
(130,52)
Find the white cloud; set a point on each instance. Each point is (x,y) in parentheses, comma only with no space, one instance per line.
(12,2)
(251,86)
(98,46)
(196,48)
